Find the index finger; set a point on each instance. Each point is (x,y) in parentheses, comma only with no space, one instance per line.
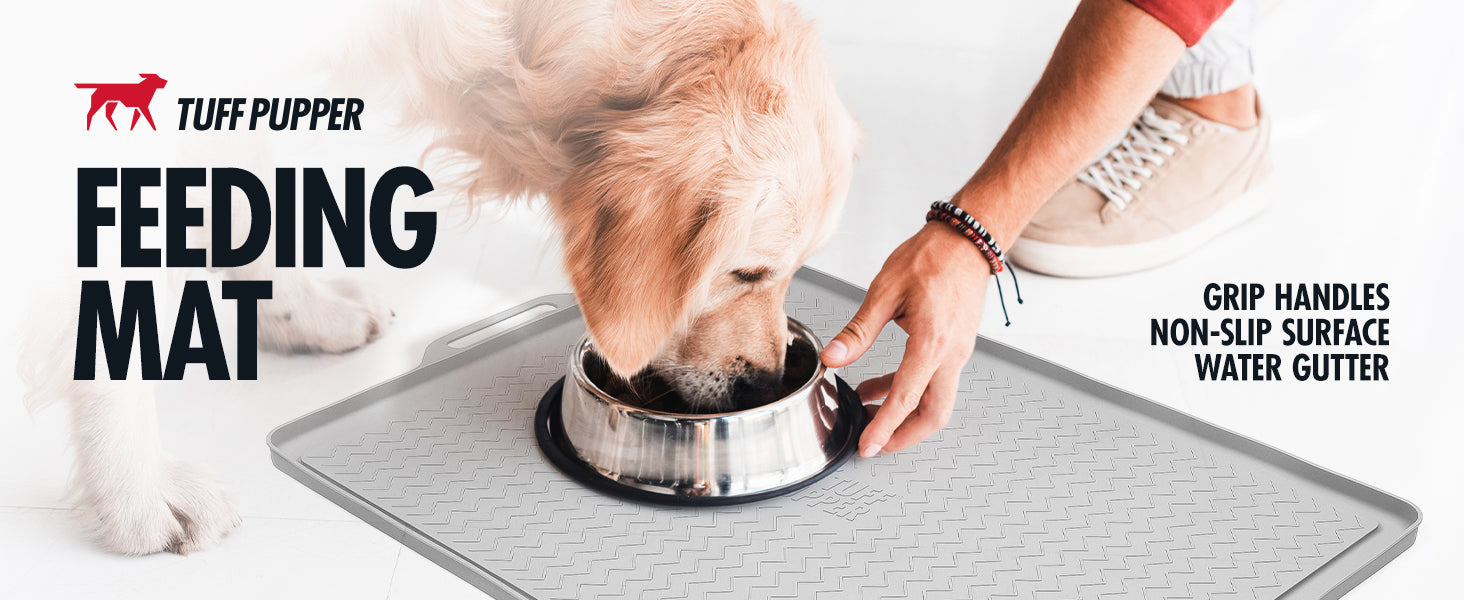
(864,327)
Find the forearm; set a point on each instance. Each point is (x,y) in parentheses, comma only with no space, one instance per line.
(1108,64)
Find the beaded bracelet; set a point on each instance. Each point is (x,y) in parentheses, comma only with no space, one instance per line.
(992,257)
(969,227)
(970,222)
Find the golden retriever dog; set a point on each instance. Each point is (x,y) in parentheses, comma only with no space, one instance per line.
(693,153)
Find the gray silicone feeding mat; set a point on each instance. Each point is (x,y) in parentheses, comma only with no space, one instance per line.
(1045,485)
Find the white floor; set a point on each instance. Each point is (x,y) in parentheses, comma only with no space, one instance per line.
(1367,97)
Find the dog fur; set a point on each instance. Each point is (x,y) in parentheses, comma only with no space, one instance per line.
(693,154)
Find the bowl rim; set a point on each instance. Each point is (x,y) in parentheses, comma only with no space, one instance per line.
(583,382)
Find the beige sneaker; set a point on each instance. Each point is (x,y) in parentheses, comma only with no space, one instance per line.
(1175,181)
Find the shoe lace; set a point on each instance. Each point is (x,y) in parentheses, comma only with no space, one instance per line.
(1122,171)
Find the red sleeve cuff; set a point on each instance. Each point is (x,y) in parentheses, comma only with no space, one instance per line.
(1188,18)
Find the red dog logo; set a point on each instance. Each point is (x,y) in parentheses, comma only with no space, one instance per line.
(132,95)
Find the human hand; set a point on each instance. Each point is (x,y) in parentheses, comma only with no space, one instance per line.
(934,287)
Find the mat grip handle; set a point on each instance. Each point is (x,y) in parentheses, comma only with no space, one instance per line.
(481,331)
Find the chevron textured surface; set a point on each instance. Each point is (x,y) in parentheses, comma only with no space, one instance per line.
(1026,494)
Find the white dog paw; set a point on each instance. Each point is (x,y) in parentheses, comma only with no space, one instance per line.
(335,316)
(190,513)
(200,506)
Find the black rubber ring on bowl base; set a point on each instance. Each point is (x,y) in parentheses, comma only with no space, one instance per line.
(548,427)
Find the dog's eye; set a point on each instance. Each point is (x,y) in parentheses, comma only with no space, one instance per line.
(752,275)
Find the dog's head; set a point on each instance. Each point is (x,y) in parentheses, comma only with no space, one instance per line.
(693,202)
(153,80)
(694,152)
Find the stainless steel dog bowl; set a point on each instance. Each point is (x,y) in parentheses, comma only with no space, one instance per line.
(722,458)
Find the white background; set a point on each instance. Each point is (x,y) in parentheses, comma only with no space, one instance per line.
(1368,98)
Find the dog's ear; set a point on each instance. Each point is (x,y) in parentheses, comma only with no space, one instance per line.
(645,227)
